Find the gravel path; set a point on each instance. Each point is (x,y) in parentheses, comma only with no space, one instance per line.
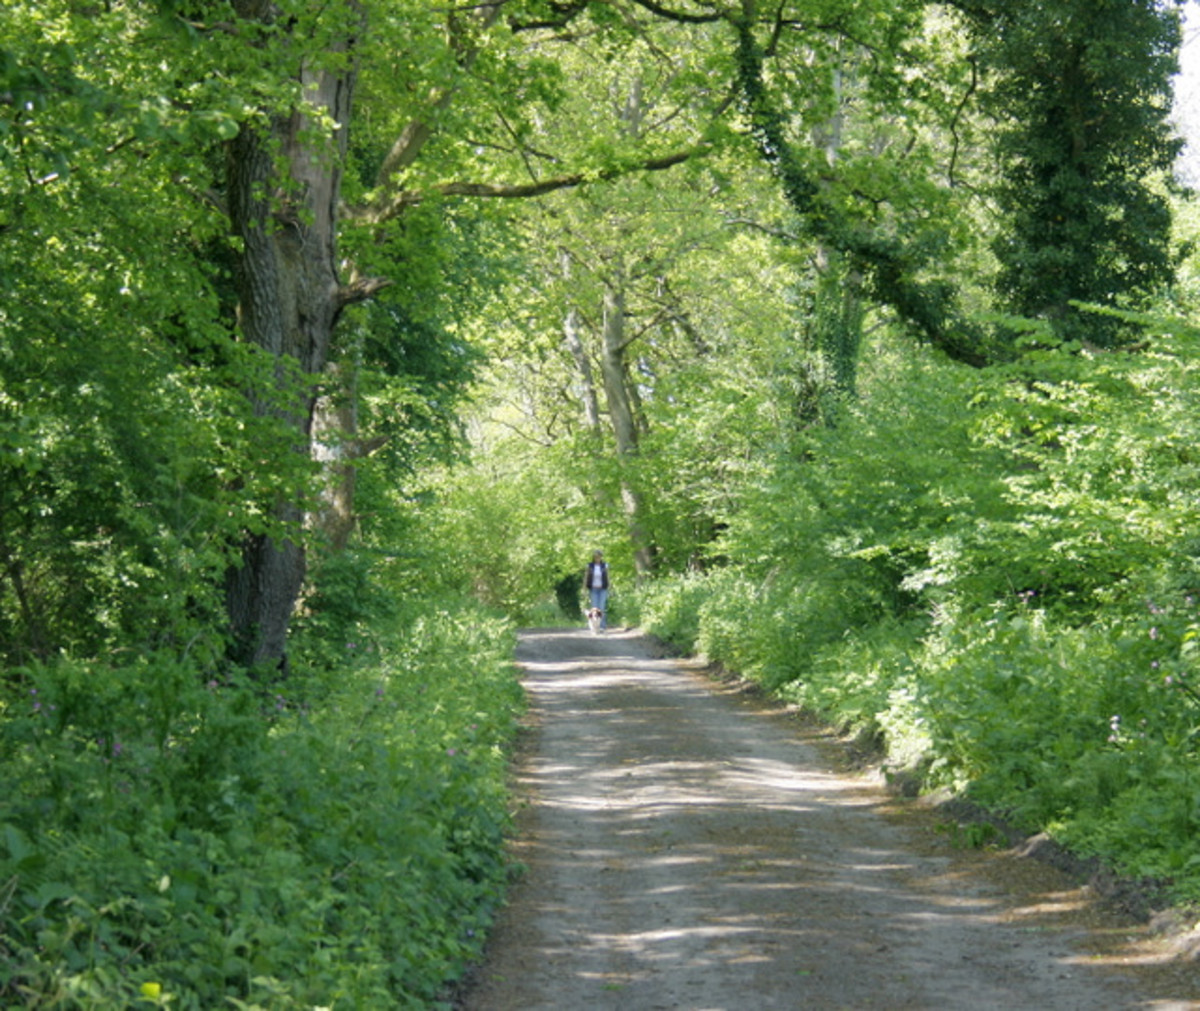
(692,846)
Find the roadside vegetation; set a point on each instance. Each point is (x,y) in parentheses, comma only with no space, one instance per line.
(1000,591)
(338,839)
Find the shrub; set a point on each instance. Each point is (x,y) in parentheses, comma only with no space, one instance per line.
(995,576)
(331,840)
(670,609)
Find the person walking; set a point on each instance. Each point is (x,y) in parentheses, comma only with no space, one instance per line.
(595,581)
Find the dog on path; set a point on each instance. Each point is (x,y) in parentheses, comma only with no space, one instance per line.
(595,619)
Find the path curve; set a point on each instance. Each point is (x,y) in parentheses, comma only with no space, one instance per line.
(689,846)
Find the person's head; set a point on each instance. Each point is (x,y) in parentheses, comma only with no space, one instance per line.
(597,556)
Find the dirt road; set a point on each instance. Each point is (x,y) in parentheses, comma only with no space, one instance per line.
(692,846)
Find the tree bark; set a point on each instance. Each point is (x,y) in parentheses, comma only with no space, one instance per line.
(622,417)
(572,326)
(289,301)
(587,383)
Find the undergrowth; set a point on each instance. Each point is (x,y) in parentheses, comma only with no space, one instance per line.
(996,576)
(1087,733)
(335,840)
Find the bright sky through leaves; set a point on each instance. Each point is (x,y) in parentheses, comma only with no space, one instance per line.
(1187,95)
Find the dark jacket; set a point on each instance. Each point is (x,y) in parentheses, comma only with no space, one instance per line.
(587,576)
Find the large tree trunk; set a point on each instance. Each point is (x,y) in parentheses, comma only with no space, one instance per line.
(289,301)
(587,385)
(621,413)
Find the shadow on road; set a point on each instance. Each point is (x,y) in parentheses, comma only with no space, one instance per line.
(691,849)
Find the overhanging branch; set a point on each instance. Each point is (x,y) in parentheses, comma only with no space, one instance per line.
(394,205)
(683,17)
(894,268)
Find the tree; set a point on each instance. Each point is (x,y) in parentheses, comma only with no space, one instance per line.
(128,462)
(285,194)
(1081,93)
(234,121)
(631,313)
(243,113)
(896,266)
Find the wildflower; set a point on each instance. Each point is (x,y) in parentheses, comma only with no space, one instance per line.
(1114,726)
(1154,633)
(152,991)
(452,752)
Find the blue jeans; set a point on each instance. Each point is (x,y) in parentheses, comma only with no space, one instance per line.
(600,601)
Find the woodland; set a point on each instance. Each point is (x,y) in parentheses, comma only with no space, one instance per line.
(336,334)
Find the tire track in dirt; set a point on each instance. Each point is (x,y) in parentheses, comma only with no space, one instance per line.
(690,847)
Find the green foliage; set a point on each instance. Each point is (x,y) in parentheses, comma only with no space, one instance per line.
(1081,94)
(995,576)
(900,264)
(509,529)
(339,840)
(1089,731)
(671,610)
(130,459)
(126,478)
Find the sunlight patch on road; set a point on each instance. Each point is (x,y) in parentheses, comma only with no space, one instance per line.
(1050,905)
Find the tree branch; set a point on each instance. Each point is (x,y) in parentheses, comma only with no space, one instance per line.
(563,14)
(417,133)
(360,290)
(950,172)
(659,10)
(399,202)
(893,268)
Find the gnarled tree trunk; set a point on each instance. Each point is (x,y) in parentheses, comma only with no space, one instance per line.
(289,301)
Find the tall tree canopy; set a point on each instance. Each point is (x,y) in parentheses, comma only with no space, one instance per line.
(1080,95)
(199,194)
